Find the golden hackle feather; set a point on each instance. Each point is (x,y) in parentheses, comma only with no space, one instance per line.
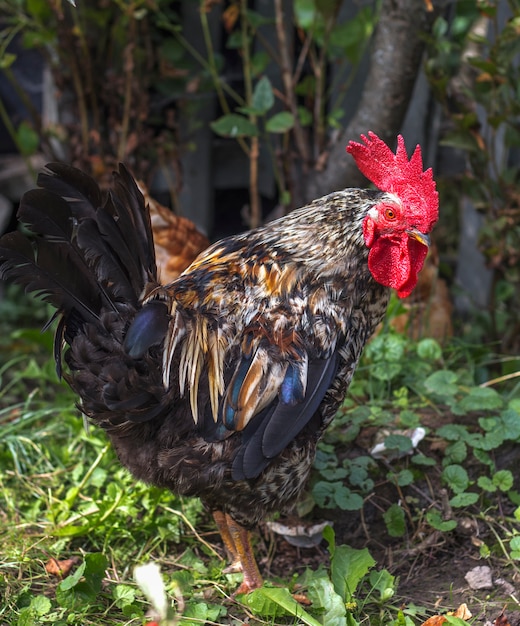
(198,349)
(259,388)
(201,348)
(176,332)
(216,350)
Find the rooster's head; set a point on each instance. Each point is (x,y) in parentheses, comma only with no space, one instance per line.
(396,229)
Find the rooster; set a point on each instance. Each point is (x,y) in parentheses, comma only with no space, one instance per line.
(220,384)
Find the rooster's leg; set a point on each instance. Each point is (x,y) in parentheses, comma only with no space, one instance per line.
(222,525)
(242,541)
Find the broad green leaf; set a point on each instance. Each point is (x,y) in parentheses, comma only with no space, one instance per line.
(259,62)
(335,473)
(326,601)
(466,498)
(358,477)
(383,582)
(123,595)
(347,568)
(453,432)
(490,441)
(234,125)
(409,419)
(350,36)
(503,479)
(330,537)
(386,348)
(280,122)
(305,13)
(442,383)
(484,458)
(422,459)
(456,452)
(200,613)
(401,443)
(404,478)
(271,602)
(514,406)
(194,563)
(395,521)
(433,517)
(456,477)
(481,399)
(429,349)
(96,564)
(336,494)
(27,139)
(26,617)
(72,580)
(40,605)
(347,500)
(514,546)
(511,424)
(263,97)
(385,371)
(484,482)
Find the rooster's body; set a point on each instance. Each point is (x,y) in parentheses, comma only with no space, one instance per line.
(220,384)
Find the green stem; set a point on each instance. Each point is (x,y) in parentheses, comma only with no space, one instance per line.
(4,116)
(212,64)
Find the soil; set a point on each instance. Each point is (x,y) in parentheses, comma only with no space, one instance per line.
(431,566)
(431,574)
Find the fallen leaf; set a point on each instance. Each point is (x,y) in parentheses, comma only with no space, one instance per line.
(60,568)
(436,620)
(304,600)
(462,613)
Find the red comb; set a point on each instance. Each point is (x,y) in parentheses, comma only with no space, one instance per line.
(396,174)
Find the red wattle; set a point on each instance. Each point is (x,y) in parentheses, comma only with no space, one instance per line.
(396,261)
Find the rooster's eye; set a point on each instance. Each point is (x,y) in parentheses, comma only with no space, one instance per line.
(390,214)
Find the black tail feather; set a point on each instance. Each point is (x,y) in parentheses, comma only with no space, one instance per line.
(79,190)
(44,213)
(109,266)
(48,269)
(128,203)
(84,256)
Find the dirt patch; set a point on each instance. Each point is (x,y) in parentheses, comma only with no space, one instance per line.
(431,575)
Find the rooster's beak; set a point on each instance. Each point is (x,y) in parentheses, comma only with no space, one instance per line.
(421,237)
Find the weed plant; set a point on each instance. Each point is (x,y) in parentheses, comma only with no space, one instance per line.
(65,500)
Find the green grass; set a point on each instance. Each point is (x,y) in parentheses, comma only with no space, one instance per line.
(64,495)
